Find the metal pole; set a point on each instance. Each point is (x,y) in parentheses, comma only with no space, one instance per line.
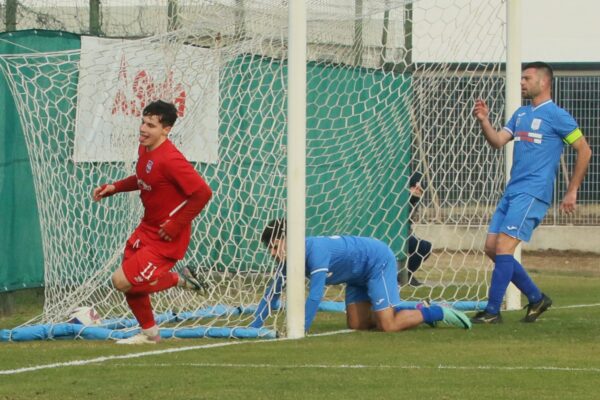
(95,23)
(11,15)
(296,172)
(408,33)
(358,31)
(240,18)
(384,34)
(172,15)
(513,101)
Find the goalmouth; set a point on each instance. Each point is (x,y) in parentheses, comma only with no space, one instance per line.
(389,89)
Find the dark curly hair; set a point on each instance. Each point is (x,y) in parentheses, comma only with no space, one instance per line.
(275,229)
(166,112)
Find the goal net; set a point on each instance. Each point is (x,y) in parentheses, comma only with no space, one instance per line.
(390,89)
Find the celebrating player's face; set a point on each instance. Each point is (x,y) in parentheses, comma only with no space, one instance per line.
(152,132)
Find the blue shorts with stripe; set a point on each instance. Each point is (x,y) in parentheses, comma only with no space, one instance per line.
(381,286)
(517,215)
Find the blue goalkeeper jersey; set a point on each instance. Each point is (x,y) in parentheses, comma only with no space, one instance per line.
(330,260)
(343,259)
(539,134)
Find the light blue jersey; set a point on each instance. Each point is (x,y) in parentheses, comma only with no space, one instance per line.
(539,134)
(344,259)
(367,266)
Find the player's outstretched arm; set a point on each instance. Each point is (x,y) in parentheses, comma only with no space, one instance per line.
(268,301)
(584,154)
(103,191)
(124,185)
(315,294)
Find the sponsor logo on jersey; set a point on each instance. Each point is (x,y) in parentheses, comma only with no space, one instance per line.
(143,185)
(530,137)
(149,165)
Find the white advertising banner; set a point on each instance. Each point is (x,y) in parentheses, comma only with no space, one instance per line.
(119,78)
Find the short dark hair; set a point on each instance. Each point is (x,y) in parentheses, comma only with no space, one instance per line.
(166,112)
(546,68)
(415,178)
(275,229)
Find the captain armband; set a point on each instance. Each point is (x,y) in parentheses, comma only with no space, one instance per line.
(573,136)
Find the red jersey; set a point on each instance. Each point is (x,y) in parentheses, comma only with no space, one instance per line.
(165,179)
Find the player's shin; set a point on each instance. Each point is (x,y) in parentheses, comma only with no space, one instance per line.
(503,272)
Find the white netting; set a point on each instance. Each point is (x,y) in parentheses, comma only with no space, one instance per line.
(390,91)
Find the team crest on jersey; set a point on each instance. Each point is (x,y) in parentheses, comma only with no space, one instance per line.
(536,123)
(149,166)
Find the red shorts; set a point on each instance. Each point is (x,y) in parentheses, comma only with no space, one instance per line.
(142,263)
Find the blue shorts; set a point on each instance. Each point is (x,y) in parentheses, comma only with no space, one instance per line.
(517,215)
(381,288)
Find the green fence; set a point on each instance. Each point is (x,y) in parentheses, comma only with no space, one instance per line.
(21,255)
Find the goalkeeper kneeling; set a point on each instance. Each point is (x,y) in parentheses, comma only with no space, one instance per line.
(368,268)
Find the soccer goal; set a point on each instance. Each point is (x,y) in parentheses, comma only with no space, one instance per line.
(390,86)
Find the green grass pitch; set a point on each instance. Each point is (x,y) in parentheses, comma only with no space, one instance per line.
(558,357)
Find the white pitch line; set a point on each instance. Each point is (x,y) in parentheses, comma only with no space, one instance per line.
(362,366)
(150,353)
(575,306)
(188,348)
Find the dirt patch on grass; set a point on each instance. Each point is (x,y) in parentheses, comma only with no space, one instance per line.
(587,264)
(446,265)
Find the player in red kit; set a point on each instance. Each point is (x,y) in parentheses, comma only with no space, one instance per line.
(173,194)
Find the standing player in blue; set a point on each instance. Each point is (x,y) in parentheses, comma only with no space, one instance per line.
(539,131)
(367,267)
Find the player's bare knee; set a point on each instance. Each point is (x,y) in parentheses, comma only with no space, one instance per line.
(490,249)
(359,325)
(388,326)
(353,325)
(490,252)
(119,284)
(506,244)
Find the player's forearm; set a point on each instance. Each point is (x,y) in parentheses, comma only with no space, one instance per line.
(584,155)
(267,303)
(195,204)
(310,312)
(261,314)
(492,136)
(315,294)
(128,184)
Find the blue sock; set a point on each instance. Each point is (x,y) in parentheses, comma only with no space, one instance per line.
(432,314)
(523,281)
(503,272)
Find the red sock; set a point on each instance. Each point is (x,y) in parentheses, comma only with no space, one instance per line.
(142,309)
(163,282)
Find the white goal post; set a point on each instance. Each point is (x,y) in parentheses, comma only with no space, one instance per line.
(513,102)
